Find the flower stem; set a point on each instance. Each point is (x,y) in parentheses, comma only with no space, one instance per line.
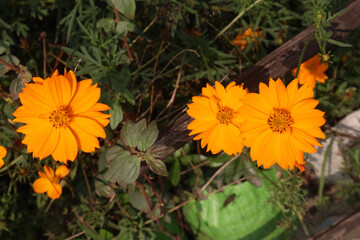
(235,19)
(302,55)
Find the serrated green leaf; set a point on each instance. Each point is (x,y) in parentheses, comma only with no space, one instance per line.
(126,131)
(138,201)
(128,96)
(126,7)
(106,23)
(161,151)
(116,112)
(175,173)
(131,170)
(340,44)
(158,167)
(131,132)
(121,28)
(123,167)
(91,233)
(130,27)
(105,234)
(103,190)
(113,153)
(120,81)
(148,136)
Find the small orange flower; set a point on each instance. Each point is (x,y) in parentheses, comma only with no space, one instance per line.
(242,40)
(61,116)
(311,71)
(2,155)
(49,181)
(216,118)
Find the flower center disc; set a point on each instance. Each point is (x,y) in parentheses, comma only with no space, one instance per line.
(59,118)
(225,115)
(311,67)
(280,120)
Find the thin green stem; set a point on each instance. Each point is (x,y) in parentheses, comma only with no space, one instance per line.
(300,217)
(12,163)
(150,61)
(323,168)
(302,55)
(235,19)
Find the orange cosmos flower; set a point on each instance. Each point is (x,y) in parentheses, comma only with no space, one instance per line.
(49,181)
(242,40)
(61,116)
(2,155)
(216,118)
(281,124)
(311,71)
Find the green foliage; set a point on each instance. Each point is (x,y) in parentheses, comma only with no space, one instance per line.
(288,195)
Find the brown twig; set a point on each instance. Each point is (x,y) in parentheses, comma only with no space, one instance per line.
(126,45)
(10,66)
(217,173)
(43,37)
(172,99)
(171,60)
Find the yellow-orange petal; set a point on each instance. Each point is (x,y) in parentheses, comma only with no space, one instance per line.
(3,152)
(55,191)
(67,147)
(61,171)
(86,141)
(41,185)
(86,96)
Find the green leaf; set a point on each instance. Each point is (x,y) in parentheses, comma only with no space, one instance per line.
(131,132)
(18,83)
(91,233)
(105,234)
(106,23)
(74,167)
(121,28)
(123,167)
(157,166)
(340,44)
(175,173)
(148,137)
(116,112)
(130,27)
(161,151)
(254,216)
(138,201)
(120,81)
(126,7)
(103,190)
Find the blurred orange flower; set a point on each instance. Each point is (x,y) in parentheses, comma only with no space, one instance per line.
(49,181)
(61,116)
(3,153)
(311,71)
(242,40)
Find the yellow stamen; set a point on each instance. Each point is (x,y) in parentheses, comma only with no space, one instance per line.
(59,118)
(225,115)
(280,120)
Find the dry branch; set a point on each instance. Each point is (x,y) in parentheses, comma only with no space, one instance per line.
(274,65)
